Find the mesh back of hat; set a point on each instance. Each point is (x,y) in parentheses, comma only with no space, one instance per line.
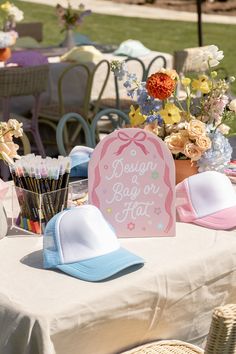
(50,250)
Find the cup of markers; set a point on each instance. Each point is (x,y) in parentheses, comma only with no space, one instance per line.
(41,186)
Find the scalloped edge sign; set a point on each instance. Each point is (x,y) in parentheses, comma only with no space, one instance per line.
(131,179)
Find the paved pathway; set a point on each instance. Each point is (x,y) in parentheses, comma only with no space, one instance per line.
(113,8)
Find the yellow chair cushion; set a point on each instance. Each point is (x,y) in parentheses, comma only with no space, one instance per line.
(83,54)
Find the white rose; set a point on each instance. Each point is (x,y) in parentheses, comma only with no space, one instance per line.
(205,56)
(232,105)
(16,13)
(213,55)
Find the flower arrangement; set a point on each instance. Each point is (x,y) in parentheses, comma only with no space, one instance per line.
(8,149)
(11,15)
(69,18)
(7,39)
(194,127)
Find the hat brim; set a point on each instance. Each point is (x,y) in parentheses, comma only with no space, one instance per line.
(221,220)
(102,267)
(79,160)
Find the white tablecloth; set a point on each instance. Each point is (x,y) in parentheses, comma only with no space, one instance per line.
(74,87)
(172,296)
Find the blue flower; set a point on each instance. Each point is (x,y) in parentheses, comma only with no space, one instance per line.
(217,157)
(127,84)
(147,104)
(152,117)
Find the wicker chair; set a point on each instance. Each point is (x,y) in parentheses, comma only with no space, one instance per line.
(51,113)
(30,29)
(24,81)
(221,338)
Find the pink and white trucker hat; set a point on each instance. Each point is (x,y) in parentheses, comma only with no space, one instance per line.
(207,199)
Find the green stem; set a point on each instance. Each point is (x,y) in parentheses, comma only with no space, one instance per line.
(217,126)
(178,102)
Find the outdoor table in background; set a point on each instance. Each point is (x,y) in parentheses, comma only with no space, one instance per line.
(74,88)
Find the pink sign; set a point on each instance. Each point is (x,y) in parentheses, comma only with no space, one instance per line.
(132,181)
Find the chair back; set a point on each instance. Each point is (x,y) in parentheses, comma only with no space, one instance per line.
(102,68)
(30,29)
(185,60)
(221,338)
(60,131)
(87,73)
(116,117)
(119,85)
(23,81)
(222,335)
(155,64)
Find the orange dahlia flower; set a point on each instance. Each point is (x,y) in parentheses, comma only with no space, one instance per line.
(160,85)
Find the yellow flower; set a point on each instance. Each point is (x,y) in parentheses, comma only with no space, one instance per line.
(136,117)
(214,74)
(6,6)
(202,84)
(186,81)
(170,114)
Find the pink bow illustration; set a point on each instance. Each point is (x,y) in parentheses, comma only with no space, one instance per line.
(136,139)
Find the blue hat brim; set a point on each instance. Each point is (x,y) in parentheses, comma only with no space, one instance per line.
(102,267)
(77,160)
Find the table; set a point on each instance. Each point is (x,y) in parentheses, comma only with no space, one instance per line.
(172,296)
(74,88)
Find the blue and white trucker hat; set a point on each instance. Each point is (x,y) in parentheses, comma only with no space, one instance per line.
(80,156)
(81,243)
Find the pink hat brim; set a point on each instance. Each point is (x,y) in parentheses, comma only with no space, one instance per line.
(221,220)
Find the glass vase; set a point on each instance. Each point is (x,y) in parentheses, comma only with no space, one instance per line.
(69,41)
(3,221)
